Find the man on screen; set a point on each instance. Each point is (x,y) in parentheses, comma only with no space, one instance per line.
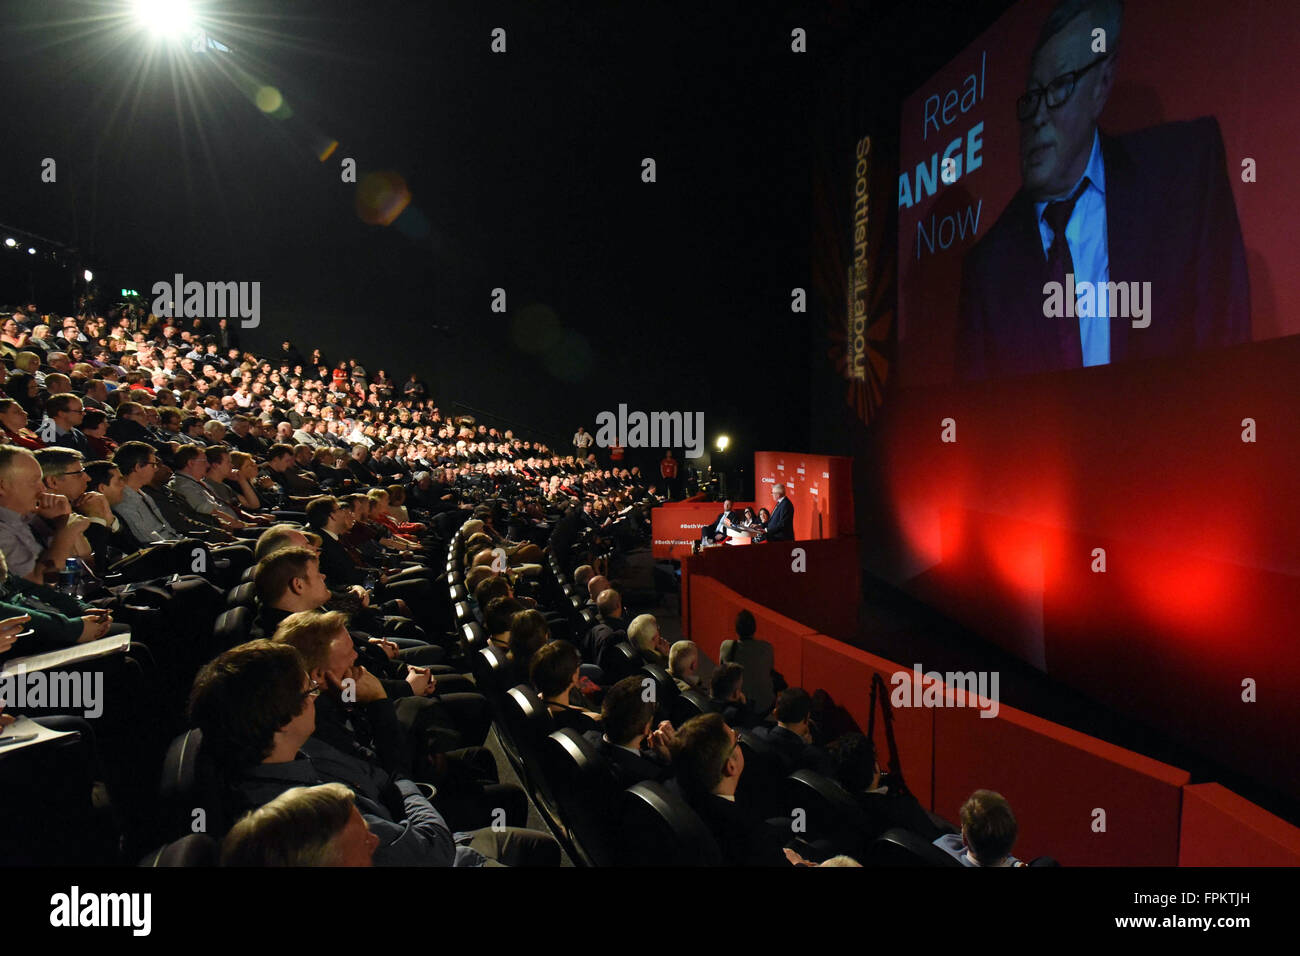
(1114,247)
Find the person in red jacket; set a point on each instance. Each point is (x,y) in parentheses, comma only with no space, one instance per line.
(668,471)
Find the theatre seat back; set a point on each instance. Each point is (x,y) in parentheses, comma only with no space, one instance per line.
(689,703)
(584,790)
(666,691)
(660,829)
(242,595)
(195,850)
(899,847)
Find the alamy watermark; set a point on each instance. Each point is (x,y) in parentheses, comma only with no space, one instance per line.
(933,689)
(59,690)
(212,300)
(1123,300)
(651,430)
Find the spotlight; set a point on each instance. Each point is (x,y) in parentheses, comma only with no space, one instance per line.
(722,442)
(31,251)
(169,19)
(88,275)
(11,242)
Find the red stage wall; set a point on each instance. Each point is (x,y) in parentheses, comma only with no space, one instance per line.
(823,595)
(819,486)
(1200,530)
(1220,828)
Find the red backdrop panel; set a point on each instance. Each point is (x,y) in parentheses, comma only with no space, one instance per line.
(1054,779)
(819,486)
(1222,829)
(845,673)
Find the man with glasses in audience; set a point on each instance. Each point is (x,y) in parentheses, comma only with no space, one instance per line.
(142,517)
(26,504)
(64,413)
(708,762)
(256,706)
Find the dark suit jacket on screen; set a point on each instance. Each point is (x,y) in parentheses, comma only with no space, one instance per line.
(1170,220)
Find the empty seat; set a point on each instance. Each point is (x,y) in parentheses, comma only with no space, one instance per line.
(658,828)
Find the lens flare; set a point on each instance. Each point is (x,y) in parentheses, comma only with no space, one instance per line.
(381,197)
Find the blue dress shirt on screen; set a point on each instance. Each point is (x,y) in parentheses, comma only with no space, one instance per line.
(1085,234)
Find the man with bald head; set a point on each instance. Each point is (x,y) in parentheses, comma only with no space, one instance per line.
(1146,219)
(610,629)
(595,585)
(24,498)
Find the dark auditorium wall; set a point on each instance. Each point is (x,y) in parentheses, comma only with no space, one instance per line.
(526,168)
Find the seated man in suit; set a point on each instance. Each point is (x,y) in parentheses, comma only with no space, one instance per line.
(554,674)
(131,425)
(716,531)
(780,526)
(791,738)
(65,412)
(708,762)
(644,635)
(684,665)
(305,826)
(988,832)
(727,697)
(1153,205)
(364,720)
(106,533)
(610,629)
(883,804)
(626,718)
(256,707)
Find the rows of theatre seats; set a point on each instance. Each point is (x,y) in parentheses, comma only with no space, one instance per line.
(649,823)
(190,795)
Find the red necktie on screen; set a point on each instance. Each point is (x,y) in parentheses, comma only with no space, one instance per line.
(1060,264)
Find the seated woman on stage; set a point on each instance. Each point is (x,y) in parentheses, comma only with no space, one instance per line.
(761,524)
